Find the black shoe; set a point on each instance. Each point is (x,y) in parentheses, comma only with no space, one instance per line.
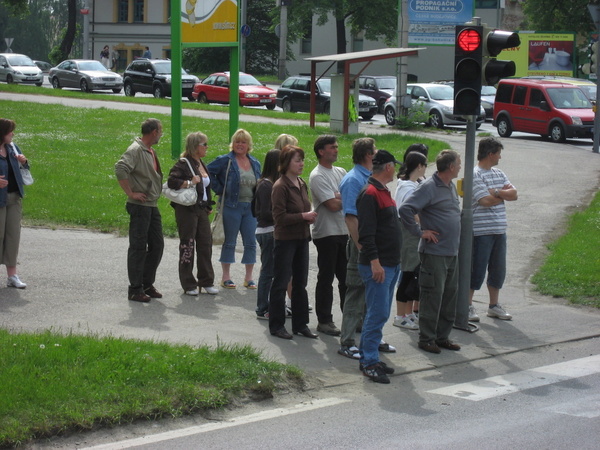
(152,292)
(386,369)
(307,333)
(139,297)
(282,333)
(375,372)
(448,344)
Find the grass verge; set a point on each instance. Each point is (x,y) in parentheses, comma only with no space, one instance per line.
(73,151)
(572,270)
(52,384)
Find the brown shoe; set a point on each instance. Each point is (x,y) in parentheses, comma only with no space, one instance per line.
(307,333)
(152,292)
(448,344)
(329,328)
(282,333)
(139,297)
(430,347)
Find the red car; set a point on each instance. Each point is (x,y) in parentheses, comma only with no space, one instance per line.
(215,89)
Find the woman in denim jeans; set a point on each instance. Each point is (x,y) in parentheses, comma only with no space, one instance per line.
(242,172)
(263,211)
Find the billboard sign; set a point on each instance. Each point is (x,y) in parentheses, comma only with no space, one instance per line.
(432,22)
(209,21)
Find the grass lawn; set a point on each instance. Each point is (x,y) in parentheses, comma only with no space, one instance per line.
(572,270)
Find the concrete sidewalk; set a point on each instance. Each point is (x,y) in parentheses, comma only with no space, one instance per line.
(77,281)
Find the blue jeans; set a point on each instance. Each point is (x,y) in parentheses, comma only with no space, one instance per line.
(266,242)
(239,220)
(489,252)
(378,299)
(146,245)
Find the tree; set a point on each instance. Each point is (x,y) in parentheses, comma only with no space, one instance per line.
(550,15)
(63,51)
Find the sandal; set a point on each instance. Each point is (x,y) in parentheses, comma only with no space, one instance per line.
(250,284)
(228,284)
(386,348)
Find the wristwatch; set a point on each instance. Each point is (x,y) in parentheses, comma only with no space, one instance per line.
(496,193)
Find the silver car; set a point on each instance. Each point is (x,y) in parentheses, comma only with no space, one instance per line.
(16,68)
(85,74)
(438,101)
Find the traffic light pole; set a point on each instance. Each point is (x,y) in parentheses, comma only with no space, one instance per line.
(465,250)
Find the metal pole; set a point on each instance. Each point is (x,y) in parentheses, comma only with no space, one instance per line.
(283,31)
(594,10)
(461,321)
(243,11)
(86,32)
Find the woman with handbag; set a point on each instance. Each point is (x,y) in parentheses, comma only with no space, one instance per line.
(11,194)
(193,223)
(233,177)
(292,216)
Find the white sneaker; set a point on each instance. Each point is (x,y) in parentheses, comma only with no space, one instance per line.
(414,317)
(473,317)
(15,282)
(405,322)
(498,312)
(212,290)
(193,292)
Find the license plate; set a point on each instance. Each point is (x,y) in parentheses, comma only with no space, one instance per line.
(265,100)
(30,78)
(188,85)
(110,84)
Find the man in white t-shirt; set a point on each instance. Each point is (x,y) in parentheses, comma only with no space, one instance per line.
(491,188)
(329,232)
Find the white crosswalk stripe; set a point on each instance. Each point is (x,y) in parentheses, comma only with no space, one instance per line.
(513,382)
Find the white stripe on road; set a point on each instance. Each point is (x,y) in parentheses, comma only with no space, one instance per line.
(256,417)
(519,381)
(588,407)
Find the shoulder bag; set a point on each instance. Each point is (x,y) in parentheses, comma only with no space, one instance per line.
(186,196)
(216,227)
(25,173)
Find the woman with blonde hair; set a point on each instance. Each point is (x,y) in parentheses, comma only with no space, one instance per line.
(242,171)
(193,223)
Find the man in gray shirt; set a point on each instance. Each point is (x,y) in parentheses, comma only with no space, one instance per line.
(436,202)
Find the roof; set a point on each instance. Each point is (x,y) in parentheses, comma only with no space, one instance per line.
(367,55)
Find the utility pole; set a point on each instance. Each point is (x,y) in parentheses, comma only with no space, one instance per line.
(594,10)
(283,32)
(86,30)
(243,14)
(402,62)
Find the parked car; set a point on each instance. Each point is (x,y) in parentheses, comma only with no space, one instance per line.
(488,95)
(215,89)
(294,95)
(43,66)
(16,68)
(153,76)
(587,86)
(548,108)
(380,87)
(85,74)
(438,102)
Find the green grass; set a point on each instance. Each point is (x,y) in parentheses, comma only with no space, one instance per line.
(572,270)
(72,152)
(52,384)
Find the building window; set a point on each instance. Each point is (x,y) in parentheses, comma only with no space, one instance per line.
(138,11)
(123,11)
(486,4)
(358,42)
(306,41)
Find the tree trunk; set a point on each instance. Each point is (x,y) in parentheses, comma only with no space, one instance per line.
(67,43)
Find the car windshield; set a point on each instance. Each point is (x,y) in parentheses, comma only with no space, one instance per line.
(249,80)
(91,65)
(163,68)
(569,98)
(488,90)
(324,84)
(441,92)
(20,60)
(387,83)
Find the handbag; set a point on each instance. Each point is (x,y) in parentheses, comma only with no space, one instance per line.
(25,173)
(216,226)
(186,196)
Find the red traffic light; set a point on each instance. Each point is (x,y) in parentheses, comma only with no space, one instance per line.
(468,40)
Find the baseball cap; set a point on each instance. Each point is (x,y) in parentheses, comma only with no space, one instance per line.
(383,157)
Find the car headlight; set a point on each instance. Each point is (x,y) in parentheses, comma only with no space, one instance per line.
(273,95)
(17,72)
(577,121)
(168,80)
(251,95)
(96,79)
(372,103)
(447,109)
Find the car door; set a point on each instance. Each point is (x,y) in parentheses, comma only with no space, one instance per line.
(220,91)
(3,68)
(521,111)
(537,118)
(301,94)
(68,75)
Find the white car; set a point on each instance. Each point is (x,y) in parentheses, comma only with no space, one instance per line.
(85,74)
(438,101)
(16,68)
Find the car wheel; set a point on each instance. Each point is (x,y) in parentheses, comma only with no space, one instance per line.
(84,86)
(367,116)
(9,79)
(381,106)
(477,126)
(271,107)
(116,91)
(202,98)
(503,126)
(55,83)
(129,92)
(557,132)
(435,120)
(191,98)
(158,91)
(326,108)
(390,115)
(39,84)
(287,106)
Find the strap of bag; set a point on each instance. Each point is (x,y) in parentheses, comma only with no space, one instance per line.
(190,166)
(224,187)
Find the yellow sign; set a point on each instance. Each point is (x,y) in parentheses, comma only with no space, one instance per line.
(209,21)
(544,54)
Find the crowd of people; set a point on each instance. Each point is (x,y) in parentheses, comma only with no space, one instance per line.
(378,245)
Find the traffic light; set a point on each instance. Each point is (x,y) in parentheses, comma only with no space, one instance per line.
(494,41)
(590,67)
(467,70)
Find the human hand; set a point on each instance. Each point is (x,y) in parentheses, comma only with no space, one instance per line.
(196,179)
(430,235)
(377,271)
(3,182)
(139,196)
(310,216)
(21,158)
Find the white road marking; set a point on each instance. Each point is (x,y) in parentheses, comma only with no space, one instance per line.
(519,381)
(588,408)
(256,417)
